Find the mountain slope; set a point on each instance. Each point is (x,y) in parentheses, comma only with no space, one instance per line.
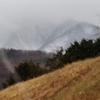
(46,37)
(68,34)
(77,81)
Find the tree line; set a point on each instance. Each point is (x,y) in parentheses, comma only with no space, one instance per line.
(24,71)
(87,48)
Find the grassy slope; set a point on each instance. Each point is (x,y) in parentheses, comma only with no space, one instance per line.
(77,81)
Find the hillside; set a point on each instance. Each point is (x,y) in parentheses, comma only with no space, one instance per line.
(77,81)
(15,57)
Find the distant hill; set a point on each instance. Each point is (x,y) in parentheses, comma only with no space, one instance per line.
(47,36)
(12,57)
(77,81)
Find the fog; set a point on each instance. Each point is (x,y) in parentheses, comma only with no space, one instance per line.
(13,13)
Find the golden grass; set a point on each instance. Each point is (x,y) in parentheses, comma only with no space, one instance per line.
(77,81)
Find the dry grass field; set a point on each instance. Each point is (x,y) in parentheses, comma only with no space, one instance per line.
(77,81)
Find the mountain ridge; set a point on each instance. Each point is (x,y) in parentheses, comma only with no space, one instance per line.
(47,37)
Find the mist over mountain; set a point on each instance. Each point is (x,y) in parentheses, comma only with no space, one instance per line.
(68,33)
(47,36)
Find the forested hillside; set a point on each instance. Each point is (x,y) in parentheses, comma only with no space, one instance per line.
(15,57)
(77,51)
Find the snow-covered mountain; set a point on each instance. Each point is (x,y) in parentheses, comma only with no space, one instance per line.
(66,35)
(48,37)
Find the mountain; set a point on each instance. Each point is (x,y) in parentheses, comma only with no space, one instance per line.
(48,37)
(64,35)
(77,81)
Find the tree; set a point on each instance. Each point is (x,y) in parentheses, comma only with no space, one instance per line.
(56,60)
(26,70)
(77,51)
(9,82)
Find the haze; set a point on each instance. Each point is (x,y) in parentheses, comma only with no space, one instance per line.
(15,12)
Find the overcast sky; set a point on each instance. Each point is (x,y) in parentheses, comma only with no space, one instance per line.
(13,12)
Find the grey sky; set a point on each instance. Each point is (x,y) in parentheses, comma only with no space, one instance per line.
(13,12)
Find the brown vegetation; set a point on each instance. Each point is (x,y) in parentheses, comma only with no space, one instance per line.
(77,81)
